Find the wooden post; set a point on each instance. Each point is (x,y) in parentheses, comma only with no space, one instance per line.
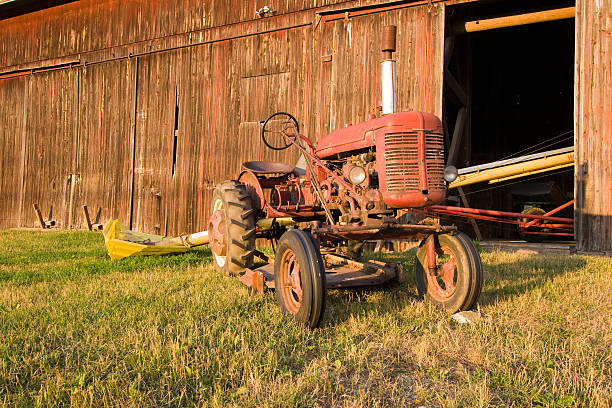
(87,218)
(39,216)
(520,19)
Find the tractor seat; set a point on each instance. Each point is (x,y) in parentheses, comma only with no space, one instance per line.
(268,168)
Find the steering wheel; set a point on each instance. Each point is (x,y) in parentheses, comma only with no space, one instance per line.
(280,131)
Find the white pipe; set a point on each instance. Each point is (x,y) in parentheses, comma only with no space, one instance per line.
(389,87)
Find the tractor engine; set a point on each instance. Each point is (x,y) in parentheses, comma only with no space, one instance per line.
(392,162)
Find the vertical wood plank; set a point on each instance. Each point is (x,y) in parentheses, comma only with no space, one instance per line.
(593,133)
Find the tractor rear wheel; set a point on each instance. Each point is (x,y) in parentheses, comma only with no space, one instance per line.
(232,228)
(456,280)
(299,278)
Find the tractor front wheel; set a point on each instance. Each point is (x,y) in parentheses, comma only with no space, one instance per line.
(232,228)
(454,279)
(299,278)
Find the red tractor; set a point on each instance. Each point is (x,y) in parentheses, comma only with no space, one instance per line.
(347,189)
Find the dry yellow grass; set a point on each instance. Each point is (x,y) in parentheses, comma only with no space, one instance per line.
(78,329)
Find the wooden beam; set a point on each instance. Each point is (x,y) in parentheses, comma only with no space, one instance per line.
(520,19)
(449,46)
(457,94)
(453,152)
(87,218)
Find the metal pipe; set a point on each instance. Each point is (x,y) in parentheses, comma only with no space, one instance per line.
(518,169)
(500,213)
(520,19)
(388,72)
(195,239)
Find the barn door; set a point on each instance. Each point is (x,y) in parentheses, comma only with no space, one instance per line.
(49,146)
(106,133)
(156,111)
(12,149)
(349,52)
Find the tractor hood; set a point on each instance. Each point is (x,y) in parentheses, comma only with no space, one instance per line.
(363,135)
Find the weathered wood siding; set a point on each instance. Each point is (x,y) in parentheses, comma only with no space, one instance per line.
(594,126)
(104,158)
(348,57)
(50,145)
(12,104)
(89,25)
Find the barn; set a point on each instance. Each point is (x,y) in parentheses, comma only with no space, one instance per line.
(136,108)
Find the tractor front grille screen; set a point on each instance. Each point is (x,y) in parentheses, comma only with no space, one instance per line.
(402,161)
(434,157)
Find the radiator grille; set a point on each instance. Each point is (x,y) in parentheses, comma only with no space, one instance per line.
(402,161)
(434,157)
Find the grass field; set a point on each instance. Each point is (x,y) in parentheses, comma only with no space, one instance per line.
(79,329)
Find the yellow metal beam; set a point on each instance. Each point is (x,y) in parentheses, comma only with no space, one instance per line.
(531,173)
(515,170)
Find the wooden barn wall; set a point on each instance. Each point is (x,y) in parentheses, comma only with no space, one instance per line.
(145,131)
(50,145)
(224,91)
(154,141)
(593,126)
(146,138)
(349,57)
(87,25)
(104,158)
(11,148)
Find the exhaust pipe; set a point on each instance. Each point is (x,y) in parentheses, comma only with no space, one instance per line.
(388,75)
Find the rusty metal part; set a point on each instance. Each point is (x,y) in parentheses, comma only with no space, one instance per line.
(389,40)
(256,280)
(397,231)
(217,232)
(291,282)
(474,212)
(345,273)
(268,168)
(340,273)
(442,278)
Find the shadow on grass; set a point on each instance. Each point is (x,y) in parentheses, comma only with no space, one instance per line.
(507,278)
(388,298)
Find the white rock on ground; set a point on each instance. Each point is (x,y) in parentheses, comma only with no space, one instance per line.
(467,316)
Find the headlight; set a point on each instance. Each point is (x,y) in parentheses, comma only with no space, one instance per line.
(450,173)
(357,175)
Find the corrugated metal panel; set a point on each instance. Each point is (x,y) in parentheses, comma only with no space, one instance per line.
(594,125)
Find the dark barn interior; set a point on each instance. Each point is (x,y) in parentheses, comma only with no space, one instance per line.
(519,83)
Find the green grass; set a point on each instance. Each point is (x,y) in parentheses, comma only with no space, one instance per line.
(79,329)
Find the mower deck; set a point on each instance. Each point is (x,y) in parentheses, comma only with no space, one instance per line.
(339,273)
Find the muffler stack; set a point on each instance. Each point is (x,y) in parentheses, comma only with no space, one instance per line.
(389,78)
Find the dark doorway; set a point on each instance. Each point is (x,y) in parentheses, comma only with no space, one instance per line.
(518,85)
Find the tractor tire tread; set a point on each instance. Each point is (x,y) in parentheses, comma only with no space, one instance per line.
(240,226)
(249,234)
